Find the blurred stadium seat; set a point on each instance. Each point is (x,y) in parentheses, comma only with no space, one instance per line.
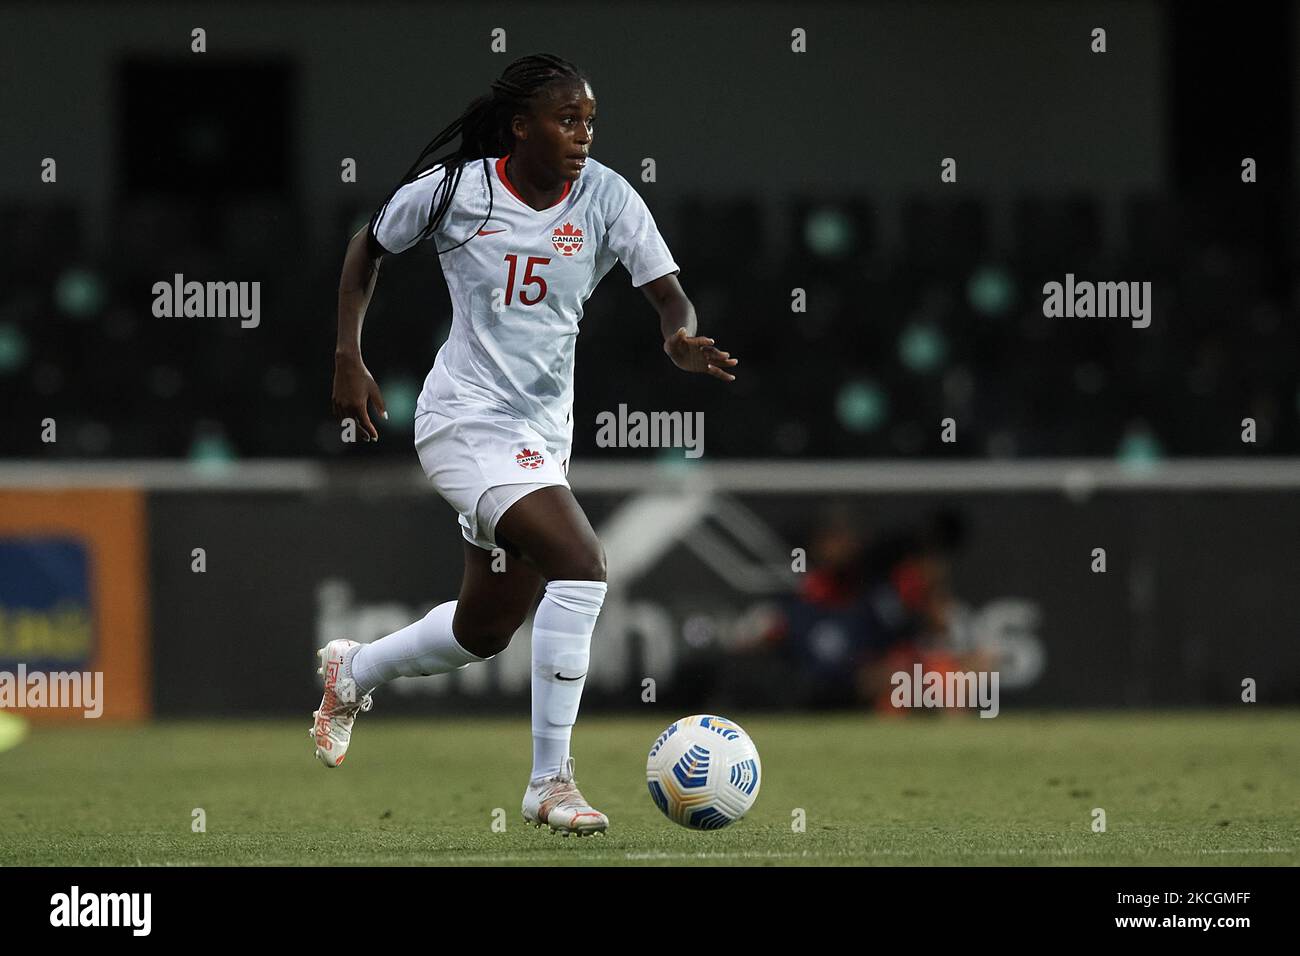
(889,343)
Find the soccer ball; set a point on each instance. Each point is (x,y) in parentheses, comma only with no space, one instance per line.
(703,772)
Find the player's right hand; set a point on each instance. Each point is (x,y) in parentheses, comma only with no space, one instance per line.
(354,388)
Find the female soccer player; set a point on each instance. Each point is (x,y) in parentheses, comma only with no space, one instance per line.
(526,224)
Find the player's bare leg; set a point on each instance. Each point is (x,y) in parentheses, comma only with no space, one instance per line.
(548,529)
(493,604)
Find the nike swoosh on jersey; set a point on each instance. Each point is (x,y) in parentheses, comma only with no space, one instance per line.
(489,232)
(560,676)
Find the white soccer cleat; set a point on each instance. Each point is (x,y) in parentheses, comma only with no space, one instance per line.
(557,803)
(332,727)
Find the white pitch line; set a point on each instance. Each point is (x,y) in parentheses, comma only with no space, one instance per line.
(636,856)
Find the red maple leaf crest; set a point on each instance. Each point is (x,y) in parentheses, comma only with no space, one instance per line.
(567,239)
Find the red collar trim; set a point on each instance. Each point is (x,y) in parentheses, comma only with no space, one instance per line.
(501,175)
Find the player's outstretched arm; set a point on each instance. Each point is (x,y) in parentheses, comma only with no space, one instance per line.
(689,352)
(354,386)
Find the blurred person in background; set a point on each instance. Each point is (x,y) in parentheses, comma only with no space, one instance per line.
(915,567)
(863,610)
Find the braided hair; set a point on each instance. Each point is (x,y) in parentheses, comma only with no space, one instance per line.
(484,130)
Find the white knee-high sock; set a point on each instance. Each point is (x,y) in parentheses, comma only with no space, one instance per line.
(562,630)
(425,647)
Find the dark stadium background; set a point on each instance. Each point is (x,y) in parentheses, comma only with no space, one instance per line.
(775,171)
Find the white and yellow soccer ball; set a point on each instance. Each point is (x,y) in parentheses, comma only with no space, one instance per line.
(703,772)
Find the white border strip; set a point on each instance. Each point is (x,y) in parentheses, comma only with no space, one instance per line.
(1076,477)
(149,475)
(1080,476)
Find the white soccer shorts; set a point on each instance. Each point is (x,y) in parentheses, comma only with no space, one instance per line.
(466,458)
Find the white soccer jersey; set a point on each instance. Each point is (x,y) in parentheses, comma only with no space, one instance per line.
(518,286)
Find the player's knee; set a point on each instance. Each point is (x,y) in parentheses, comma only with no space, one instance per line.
(486,636)
(582,564)
(486,641)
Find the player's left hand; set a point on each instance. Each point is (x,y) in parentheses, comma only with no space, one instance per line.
(695,353)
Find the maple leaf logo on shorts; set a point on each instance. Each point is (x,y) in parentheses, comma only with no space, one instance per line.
(529,458)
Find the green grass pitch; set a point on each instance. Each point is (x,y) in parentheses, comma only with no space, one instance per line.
(1184,788)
